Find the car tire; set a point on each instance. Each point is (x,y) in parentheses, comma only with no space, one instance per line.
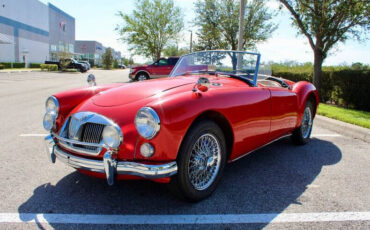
(301,135)
(141,76)
(193,164)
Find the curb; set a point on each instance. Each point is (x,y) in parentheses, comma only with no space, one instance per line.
(341,127)
(21,71)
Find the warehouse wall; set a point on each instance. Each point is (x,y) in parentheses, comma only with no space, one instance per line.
(26,24)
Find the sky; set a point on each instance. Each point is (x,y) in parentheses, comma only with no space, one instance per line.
(97,20)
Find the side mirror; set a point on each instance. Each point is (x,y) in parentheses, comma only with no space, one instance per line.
(91,80)
(203,84)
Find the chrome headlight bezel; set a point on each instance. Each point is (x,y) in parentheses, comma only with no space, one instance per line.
(52,105)
(147,123)
(49,121)
(115,138)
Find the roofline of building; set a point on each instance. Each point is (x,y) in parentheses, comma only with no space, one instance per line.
(53,7)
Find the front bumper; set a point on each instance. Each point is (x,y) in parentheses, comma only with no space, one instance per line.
(108,165)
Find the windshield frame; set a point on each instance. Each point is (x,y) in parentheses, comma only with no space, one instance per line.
(255,76)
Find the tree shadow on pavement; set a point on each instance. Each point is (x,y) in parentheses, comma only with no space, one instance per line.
(266,181)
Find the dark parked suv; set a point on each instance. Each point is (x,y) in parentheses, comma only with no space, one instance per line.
(161,68)
(70,63)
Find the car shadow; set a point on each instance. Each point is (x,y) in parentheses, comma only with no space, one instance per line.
(266,181)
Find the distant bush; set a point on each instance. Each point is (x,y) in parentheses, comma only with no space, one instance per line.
(35,65)
(18,65)
(49,67)
(115,64)
(7,65)
(344,86)
(2,66)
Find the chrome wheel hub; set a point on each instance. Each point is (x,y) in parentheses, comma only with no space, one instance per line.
(205,160)
(142,77)
(306,122)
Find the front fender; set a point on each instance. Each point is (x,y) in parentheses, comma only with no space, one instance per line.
(68,100)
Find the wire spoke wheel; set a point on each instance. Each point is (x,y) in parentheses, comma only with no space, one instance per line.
(306,122)
(205,160)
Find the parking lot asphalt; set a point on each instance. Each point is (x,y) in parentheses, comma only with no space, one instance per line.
(330,174)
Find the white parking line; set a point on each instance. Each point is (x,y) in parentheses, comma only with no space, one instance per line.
(183,219)
(33,135)
(326,135)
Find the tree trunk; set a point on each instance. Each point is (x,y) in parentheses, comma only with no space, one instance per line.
(317,70)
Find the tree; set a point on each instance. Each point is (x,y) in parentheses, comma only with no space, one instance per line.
(174,50)
(326,22)
(64,59)
(152,26)
(107,58)
(125,61)
(218,22)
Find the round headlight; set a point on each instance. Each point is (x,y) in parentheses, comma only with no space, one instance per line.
(49,121)
(52,105)
(112,136)
(147,122)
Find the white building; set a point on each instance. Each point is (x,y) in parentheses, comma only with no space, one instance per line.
(29,28)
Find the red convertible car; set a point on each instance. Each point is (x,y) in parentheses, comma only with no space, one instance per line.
(213,109)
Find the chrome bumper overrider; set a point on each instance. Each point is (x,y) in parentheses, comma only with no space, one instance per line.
(109,166)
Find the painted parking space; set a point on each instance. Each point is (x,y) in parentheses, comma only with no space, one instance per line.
(322,185)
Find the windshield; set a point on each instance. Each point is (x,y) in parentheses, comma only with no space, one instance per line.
(233,63)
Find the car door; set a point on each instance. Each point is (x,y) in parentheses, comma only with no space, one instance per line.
(251,119)
(284,106)
(161,68)
(172,62)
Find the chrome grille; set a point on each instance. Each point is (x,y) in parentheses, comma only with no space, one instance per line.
(82,133)
(92,134)
(73,127)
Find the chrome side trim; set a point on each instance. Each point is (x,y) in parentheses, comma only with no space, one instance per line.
(245,154)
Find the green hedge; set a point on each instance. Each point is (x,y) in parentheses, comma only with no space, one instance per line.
(345,87)
(49,67)
(18,65)
(2,66)
(35,65)
(7,65)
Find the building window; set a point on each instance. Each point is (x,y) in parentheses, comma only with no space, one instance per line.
(71,48)
(53,48)
(61,46)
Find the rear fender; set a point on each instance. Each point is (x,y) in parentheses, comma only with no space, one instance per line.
(305,91)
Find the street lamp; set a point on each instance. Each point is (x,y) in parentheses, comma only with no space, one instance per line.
(191,41)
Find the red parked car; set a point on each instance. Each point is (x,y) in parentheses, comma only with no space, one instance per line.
(159,69)
(213,109)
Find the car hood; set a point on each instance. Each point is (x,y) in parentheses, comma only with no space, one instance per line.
(132,92)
